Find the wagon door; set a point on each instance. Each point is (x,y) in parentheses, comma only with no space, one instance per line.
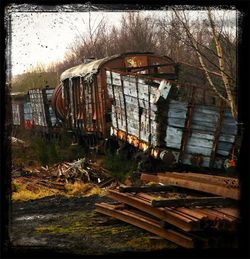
(90,111)
(81,105)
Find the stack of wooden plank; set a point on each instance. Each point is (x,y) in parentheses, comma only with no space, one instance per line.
(186,217)
(218,185)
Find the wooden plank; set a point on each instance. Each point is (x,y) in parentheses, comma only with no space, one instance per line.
(146,224)
(193,213)
(221,180)
(211,118)
(176,122)
(150,178)
(192,202)
(232,193)
(234,212)
(180,114)
(146,188)
(220,215)
(168,215)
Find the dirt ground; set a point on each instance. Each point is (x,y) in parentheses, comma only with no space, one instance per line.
(71,225)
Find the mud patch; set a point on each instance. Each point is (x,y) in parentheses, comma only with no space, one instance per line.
(71,225)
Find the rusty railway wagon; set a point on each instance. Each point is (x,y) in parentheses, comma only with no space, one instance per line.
(82,100)
(144,100)
(171,121)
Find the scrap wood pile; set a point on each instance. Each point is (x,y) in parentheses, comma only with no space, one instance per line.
(205,215)
(59,174)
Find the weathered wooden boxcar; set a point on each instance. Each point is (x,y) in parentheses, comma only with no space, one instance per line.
(171,121)
(44,116)
(82,100)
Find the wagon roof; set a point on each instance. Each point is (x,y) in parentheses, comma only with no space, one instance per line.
(91,68)
(85,69)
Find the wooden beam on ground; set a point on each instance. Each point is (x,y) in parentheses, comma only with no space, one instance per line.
(233,193)
(191,202)
(216,179)
(150,178)
(175,218)
(147,188)
(147,224)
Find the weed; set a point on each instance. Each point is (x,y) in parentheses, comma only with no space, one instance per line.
(119,166)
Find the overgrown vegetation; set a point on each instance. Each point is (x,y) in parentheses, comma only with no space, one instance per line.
(119,165)
(47,152)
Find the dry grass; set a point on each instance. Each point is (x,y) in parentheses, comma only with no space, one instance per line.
(83,189)
(21,192)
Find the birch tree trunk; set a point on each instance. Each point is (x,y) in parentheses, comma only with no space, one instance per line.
(229,99)
(224,77)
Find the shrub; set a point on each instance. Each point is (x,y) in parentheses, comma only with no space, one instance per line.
(119,166)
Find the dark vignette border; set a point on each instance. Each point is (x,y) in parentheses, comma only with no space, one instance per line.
(243,83)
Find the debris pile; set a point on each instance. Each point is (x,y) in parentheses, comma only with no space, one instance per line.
(180,207)
(59,175)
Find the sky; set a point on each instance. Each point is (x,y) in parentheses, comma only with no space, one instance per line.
(42,37)
(39,37)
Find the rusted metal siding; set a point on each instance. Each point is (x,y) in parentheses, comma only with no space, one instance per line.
(148,113)
(57,103)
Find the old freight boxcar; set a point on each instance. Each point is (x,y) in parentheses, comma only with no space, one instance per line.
(45,120)
(82,100)
(171,121)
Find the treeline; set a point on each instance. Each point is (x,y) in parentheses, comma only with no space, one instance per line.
(195,41)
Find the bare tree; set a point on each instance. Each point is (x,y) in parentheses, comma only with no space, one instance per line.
(208,57)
